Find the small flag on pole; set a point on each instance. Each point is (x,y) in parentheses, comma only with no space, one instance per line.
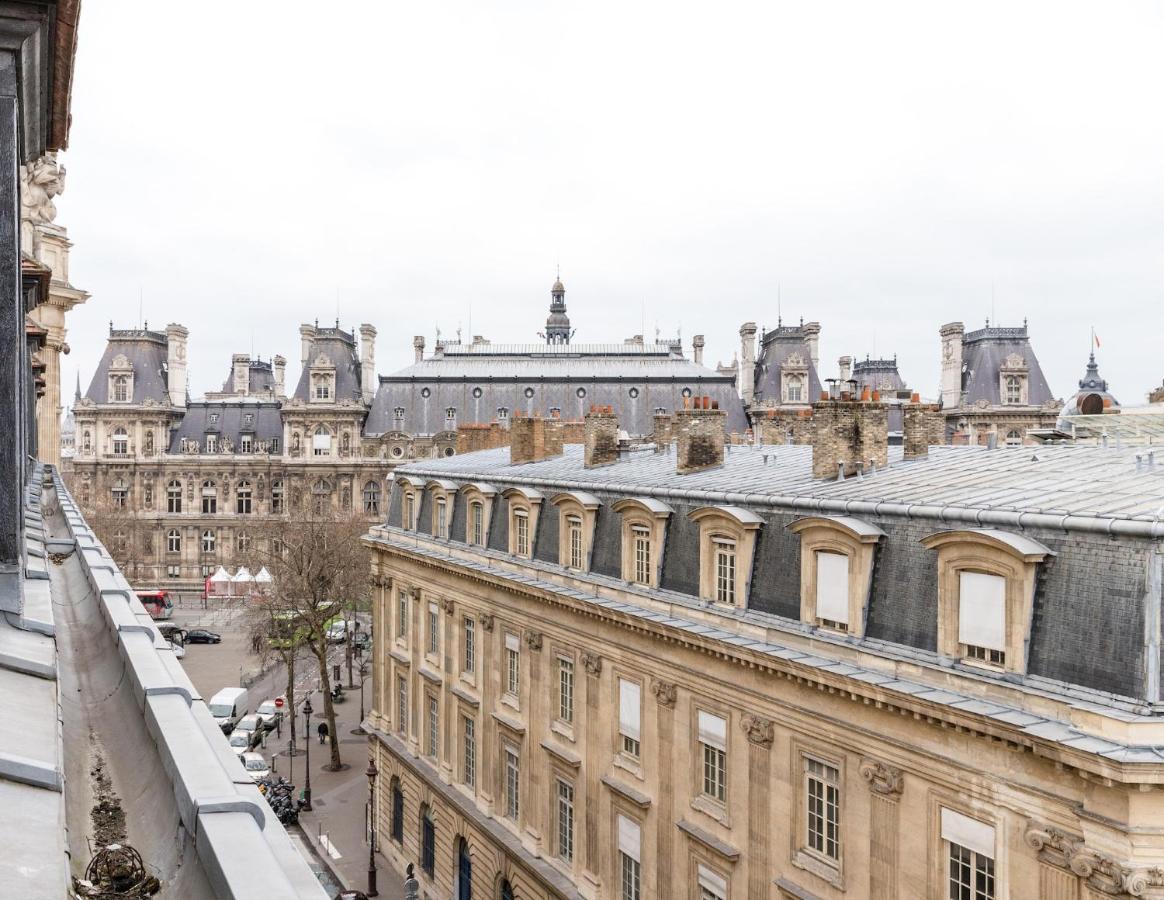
(1096,337)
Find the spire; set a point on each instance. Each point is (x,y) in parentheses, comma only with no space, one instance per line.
(77,395)
(558,323)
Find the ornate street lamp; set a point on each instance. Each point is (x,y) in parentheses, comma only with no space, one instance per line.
(307,710)
(371,772)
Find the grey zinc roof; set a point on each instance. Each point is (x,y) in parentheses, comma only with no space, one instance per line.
(983,354)
(777,346)
(147,353)
(476,387)
(339,347)
(260,378)
(196,424)
(1055,481)
(879,375)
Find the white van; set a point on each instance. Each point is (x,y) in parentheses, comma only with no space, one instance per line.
(228,706)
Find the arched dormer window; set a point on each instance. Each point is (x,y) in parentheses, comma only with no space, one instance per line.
(523,509)
(577,512)
(986,594)
(644,528)
(120,442)
(321,441)
(836,571)
(478,500)
(444,495)
(794,389)
(727,543)
(1014,389)
(410,494)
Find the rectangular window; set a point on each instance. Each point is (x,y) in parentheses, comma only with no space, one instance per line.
(442,530)
(713,747)
(512,783)
(211,443)
(712,885)
(402,704)
(566,690)
(642,548)
(469,730)
(822,796)
(565,821)
(982,616)
(512,664)
(832,590)
(725,571)
(245,443)
(478,532)
(629,706)
(470,633)
(434,624)
(971,856)
(274,445)
(575,535)
(630,859)
(173,571)
(521,533)
(434,727)
(406,513)
(402,616)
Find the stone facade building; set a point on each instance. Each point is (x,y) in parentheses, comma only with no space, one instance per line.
(598,676)
(993,388)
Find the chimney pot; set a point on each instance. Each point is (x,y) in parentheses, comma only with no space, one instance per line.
(865,394)
(876,396)
(915,397)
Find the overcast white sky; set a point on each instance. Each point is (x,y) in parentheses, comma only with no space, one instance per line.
(245,167)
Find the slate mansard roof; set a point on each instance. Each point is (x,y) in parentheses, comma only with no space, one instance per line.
(260,378)
(266,423)
(1091,506)
(476,380)
(776,348)
(984,354)
(146,351)
(879,375)
(339,347)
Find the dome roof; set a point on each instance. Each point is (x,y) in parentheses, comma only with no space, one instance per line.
(558,287)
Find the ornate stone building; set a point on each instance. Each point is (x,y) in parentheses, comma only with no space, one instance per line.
(993,388)
(691,674)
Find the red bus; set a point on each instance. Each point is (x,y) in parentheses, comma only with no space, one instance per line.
(157,603)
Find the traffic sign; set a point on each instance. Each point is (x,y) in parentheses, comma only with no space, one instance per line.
(278,703)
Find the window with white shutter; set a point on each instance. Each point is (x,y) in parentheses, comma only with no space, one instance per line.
(982,616)
(832,589)
(629,706)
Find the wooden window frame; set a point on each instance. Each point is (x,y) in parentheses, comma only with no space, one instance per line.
(720,524)
(652,517)
(583,508)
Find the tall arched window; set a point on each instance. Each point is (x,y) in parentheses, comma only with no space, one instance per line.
(464,871)
(397,823)
(174,496)
(209,497)
(120,442)
(427,841)
(242,542)
(209,540)
(119,493)
(795,389)
(1014,389)
(121,389)
(173,541)
(243,497)
(372,498)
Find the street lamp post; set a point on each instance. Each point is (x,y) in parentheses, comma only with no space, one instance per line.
(307,742)
(371,772)
(364,676)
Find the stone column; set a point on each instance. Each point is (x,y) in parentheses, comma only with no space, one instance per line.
(534,809)
(665,693)
(760,734)
(885,784)
(591,753)
(449,712)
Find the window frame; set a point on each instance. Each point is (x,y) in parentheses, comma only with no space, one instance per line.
(844,536)
(483,494)
(511,781)
(174,540)
(511,686)
(579,509)
(803,855)
(469,751)
(565,830)
(719,525)
(174,496)
(653,516)
(628,747)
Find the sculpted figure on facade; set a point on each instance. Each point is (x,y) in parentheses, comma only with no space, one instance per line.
(41,181)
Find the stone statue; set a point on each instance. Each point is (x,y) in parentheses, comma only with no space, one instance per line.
(41,180)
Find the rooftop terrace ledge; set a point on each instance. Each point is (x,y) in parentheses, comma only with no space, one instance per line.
(1054,716)
(240,845)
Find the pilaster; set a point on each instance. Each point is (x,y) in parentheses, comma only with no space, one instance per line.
(486,728)
(665,693)
(592,753)
(535,807)
(760,733)
(885,785)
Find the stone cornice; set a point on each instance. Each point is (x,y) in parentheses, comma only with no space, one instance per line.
(1101,872)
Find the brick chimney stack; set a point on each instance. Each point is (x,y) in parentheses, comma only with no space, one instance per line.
(700,432)
(601,431)
(663,431)
(849,431)
(923,426)
(532,439)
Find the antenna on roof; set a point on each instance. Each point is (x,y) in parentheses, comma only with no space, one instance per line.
(779,314)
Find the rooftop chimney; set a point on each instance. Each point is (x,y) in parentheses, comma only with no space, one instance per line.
(368,362)
(848,432)
(811,332)
(240,365)
(176,336)
(699,429)
(664,430)
(532,438)
(418,347)
(951,334)
(697,349)
(280,375)
(923,426)
(746,373)
(601,432)
(845,368)
(306,337)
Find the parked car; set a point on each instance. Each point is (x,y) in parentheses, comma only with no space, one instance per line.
(362,640)
(202,636)
(256,766)
(179,650)
(175,634)
(252,722)
(243,741)
(228,706)
(337,632)
(270,714)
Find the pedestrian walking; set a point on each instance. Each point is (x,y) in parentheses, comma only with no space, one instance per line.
(322,731)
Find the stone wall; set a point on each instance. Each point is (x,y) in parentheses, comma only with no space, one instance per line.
(471,438)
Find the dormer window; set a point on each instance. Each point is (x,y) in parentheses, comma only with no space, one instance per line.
(521,532)
(577,511)
(644,525)
(214,418)
(121,389)
(503,414)
(1014,389)
(641,547)
(725,569)
(836,565)
(321,387)
(249,419)
(479,498)
(211,443)
(524,504)
(982,617)
(794,393)
(832,590)
(727,540)
(574,557)
(245,443)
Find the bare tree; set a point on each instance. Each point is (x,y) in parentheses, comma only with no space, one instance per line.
(126,539)
(319,568)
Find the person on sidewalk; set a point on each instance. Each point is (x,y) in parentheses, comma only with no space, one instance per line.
(322,731)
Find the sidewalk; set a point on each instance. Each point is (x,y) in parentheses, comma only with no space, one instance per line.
(336,826)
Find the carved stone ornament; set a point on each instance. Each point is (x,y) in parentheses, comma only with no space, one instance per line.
(665,692)
(1101,872)
(883,779)
(447,605)
(533,640)
(41,180)
(486,620)
(593,663)
(759,731)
